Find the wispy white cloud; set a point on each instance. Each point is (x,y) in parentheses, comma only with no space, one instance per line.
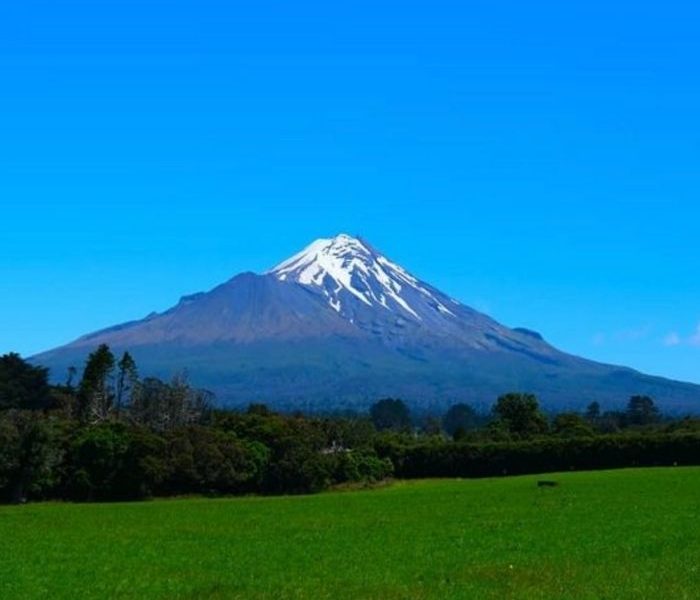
(639,334)
(695,338)
(622,336)
(599,339)
(632,335)
(673,339)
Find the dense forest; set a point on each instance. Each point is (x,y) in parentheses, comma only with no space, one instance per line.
(115,436)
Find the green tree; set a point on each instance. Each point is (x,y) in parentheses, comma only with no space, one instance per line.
(127,381)
(593,412)
(362,466)
(432,426)
(259,409)
(349,433)
(392,414)
(611,421)
(22,385)
(113,461)
(96,391)
(641,410)
(162,406)
(30,453)
(214,461)
(519,415)
(571,425)
(70,377)
(459,419)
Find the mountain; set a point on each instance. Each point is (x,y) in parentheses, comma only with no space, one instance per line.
(339,325)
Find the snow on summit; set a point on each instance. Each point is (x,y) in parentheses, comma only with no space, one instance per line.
(348,271)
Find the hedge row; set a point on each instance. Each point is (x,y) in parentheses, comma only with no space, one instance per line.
(435,458)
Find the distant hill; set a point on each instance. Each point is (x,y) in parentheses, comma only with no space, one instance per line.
(339,325)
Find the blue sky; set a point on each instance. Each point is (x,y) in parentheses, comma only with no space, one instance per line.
(539,161)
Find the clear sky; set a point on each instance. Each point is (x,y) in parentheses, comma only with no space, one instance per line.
(537,160)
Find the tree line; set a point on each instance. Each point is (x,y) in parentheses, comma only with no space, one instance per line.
(517,416)
(115,436)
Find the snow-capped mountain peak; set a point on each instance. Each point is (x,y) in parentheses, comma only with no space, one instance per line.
(334,256)
(347,271)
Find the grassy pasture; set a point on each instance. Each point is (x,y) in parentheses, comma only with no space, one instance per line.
(615,534)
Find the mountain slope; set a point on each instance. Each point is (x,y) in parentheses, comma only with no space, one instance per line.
(339,325)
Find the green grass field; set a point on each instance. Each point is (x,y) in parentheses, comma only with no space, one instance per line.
(616,534)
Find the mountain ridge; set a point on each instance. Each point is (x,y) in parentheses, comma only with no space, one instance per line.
(339,324)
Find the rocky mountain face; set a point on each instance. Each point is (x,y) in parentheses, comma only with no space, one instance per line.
(339,325)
